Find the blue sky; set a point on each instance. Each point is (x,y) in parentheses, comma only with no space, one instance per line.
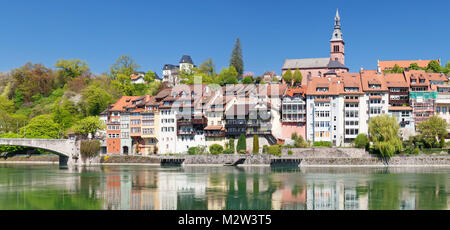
(158,32)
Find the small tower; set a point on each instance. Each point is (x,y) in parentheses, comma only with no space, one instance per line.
(337,42)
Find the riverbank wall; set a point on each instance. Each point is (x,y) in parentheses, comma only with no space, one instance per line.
(308,157)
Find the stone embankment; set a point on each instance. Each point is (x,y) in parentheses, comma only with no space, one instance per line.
(49,159)
(322,157)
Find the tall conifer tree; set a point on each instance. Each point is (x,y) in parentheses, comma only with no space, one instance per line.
(236,58)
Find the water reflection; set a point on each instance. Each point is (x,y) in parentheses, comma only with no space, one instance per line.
(217,188)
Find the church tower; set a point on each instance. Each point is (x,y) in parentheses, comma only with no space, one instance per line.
(337,42)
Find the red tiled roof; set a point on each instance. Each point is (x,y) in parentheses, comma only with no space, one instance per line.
(403,108)
(403,64)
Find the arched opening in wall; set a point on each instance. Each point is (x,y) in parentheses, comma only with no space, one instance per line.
(125,150)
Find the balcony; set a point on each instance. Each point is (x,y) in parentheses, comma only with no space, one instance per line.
(185,132)
(215,134)
(184,122)
(258,132)
(200,121)
(235,132)
(234,125)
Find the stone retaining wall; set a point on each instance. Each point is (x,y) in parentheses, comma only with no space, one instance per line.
(374,161)
(325,152)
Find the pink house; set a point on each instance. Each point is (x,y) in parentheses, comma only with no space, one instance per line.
(293,112)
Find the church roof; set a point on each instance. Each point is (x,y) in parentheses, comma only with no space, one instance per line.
(307,63)
(336,65)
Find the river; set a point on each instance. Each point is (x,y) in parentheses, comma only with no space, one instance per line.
(48,187)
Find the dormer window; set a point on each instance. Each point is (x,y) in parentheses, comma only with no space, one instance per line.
(322,89)
(351,89)
(421,80)
(320,74)
(413,81)
(375,86)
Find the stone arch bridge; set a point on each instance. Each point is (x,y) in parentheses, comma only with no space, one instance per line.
(68,150)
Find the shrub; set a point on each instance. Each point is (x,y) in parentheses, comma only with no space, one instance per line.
(89,148)
(265,148)
(274,150)
(242,151)
(362,141)
(228,151)
(231,144)
(242,143)
(192,150)
(255,144)
(290,152)
(216,149)
(322,144)
(416,151)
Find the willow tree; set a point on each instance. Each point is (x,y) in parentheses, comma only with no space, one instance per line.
(383,131)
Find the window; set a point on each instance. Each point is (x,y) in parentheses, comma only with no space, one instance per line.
(444,109)
(135,122)
(125,135)
(135,130)
(336,48)
(147,131)
(438,109)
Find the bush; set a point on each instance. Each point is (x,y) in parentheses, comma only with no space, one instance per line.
(274,150)
(228,151)
(89,148)
(255,144)
(192,150)
(242,143)
(416,151)
(323,144)
(290,152)
(231,144)
(265,148)
(362,141)
(215,149)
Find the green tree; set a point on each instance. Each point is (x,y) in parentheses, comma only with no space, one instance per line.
(18,98)
(149,76)
(242,144)
(228,76)
(6,106)
(65,113)
(247,80)
(414,66)
(41,126)
(287,76)
(236,58)
(434,66)
(208,67)
(362,141)
(123,68)
(88,125)
(432,130)
(215,149)
(297,78)
(255,144)
(95,100)
(69,69)
(383,131)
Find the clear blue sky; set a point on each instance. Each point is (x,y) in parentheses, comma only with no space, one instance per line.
(155,33)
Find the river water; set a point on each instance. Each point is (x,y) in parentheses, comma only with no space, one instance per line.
(256,188)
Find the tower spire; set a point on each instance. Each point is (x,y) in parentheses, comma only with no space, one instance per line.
(337,33)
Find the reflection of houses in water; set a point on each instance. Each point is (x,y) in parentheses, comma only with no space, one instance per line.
(144,195)
(172,185)
(335,197)
(126,192)
(407,201)
(287,199)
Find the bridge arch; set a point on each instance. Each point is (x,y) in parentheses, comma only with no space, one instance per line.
(65,148)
